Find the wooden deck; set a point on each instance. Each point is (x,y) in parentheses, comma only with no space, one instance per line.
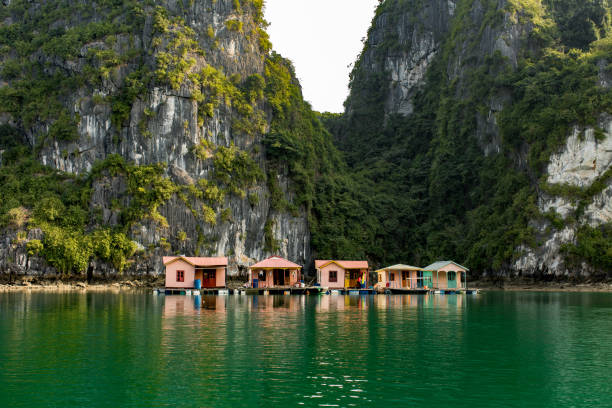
(202,291)
(313,290)
(307,290)
(408,291)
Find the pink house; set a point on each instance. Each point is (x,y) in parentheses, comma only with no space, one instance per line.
(274,272)
(182,271)
(448,275)
(341,274)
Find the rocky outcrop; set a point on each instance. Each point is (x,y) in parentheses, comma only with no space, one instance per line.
(416,33)
(580,163)
(164,126)
(440,79)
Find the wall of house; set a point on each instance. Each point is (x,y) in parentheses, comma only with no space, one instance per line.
(179,265)
(323,275)
(396,283)
(220,277)
(454,268)
(440,280)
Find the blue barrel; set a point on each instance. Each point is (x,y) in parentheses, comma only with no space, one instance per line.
(197,284)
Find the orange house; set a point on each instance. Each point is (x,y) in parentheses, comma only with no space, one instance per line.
(182,272)
(274,272)
(341,274)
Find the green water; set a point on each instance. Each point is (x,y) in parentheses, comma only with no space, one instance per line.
(135,350)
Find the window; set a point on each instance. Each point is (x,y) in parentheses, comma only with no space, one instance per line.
(180,276)
(262,276)
(451,276)
(333,276)
(392,276)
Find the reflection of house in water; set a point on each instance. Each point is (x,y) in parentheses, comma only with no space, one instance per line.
(277,303)
(190,305)
(418,300)
(334,303)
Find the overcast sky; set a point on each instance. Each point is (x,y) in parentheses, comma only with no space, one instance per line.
(321,37)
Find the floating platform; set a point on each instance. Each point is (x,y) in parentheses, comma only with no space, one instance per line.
(455,291)
(189,292)
(408,291)
(308,290)
(351,292)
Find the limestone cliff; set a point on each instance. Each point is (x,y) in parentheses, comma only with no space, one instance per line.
(489,121)
(181,85)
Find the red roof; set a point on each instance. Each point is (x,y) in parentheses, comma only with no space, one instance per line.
(275,262)
(344,264)
(197,261)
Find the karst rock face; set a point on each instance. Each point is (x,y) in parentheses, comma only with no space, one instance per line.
(134,97)
(475,130)
(414,46)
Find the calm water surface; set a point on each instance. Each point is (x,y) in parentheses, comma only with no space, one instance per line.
(124,349)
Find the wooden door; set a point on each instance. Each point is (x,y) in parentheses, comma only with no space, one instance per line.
(452,280)
(428,279)
(279,277)
(209,278)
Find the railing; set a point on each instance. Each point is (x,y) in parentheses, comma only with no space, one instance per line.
(411,283)
(422,283)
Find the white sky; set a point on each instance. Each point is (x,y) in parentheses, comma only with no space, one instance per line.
(321,38)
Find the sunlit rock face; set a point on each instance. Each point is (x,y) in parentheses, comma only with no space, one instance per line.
(163,127)
(583,159)
(579,163)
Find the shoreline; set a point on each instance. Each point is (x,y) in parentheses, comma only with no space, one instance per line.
(75,286)
(599,287)
(134,285)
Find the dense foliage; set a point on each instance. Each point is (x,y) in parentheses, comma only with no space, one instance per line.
(399,189)
(430,189)
(55,52)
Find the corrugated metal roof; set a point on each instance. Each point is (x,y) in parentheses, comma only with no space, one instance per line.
(275,262)
(401,267)
(441,264)
(197,260)
(344,264)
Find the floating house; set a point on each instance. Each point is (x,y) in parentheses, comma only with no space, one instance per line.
(342,274)
(407,277)
(182,272)
(448,275)
(274,272)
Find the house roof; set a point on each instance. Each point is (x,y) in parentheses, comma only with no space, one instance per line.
(400,267)
(275,262)
(441,264)
(197,261)
(343,264)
